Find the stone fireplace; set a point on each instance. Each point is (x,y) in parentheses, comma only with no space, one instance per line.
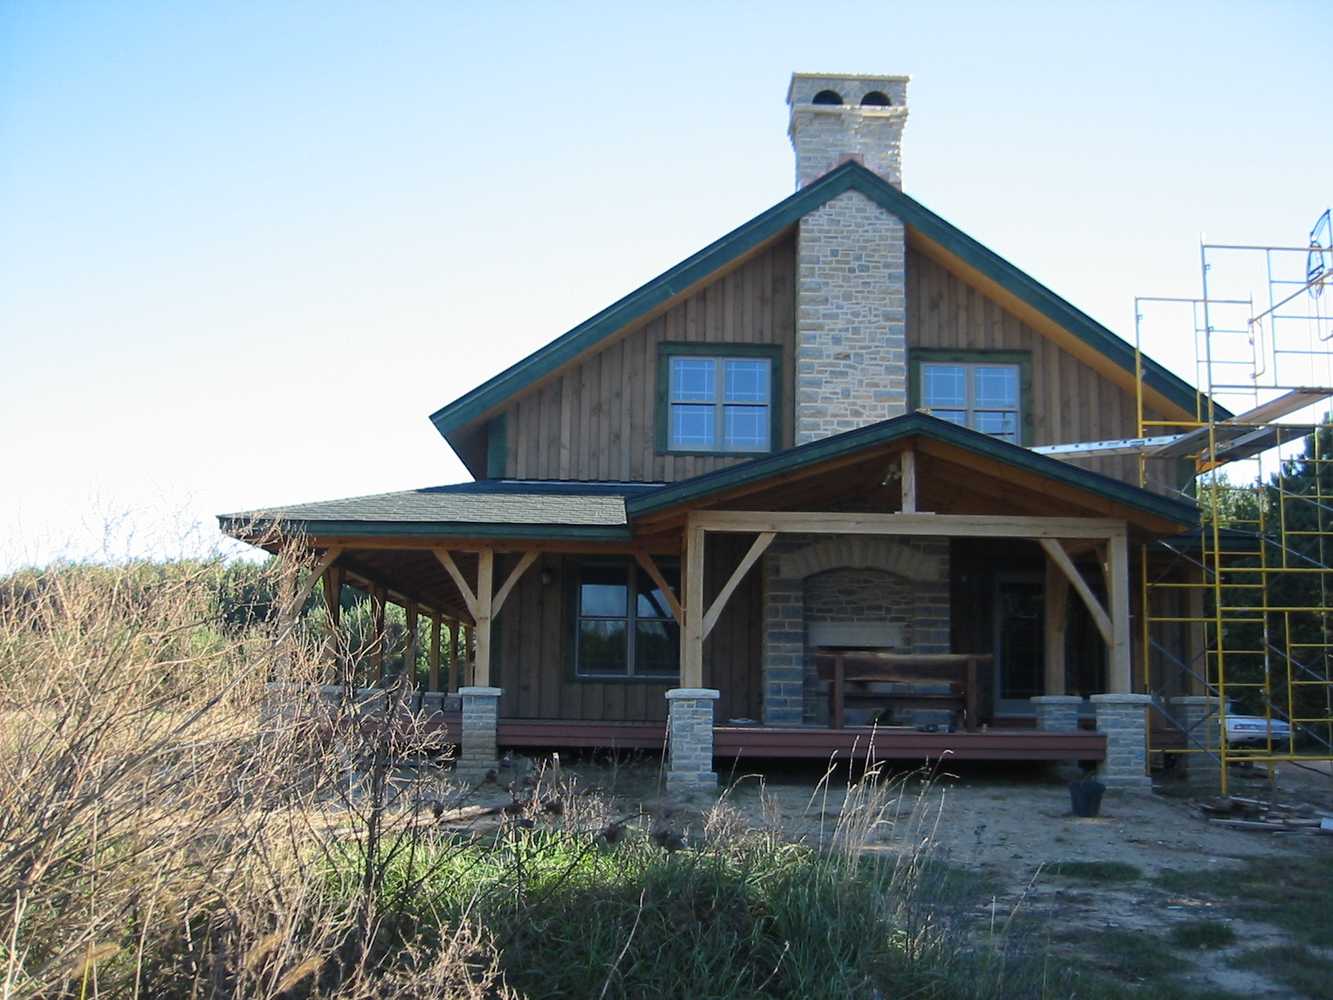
(855,592)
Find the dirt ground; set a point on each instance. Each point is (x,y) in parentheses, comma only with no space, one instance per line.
(1011,823)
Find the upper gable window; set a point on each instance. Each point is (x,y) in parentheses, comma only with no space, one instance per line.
(986,397)
(717,399)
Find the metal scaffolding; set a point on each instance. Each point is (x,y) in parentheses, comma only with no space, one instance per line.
(1240,613)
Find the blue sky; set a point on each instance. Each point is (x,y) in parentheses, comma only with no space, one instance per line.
(247,247)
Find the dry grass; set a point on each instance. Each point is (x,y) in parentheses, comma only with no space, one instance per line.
(162,834)
(165,832)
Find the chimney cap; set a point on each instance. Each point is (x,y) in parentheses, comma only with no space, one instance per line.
(814,82)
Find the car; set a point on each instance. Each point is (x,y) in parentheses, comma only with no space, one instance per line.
(1255,729)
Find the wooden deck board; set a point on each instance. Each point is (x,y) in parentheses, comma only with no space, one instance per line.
(806,742)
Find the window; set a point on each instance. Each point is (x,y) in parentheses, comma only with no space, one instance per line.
(625,627)
(980,395)
(718,403)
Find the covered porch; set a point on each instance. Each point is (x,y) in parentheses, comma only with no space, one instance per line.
(694,615)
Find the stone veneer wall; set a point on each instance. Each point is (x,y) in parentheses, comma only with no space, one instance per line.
(905,582)
(851,346)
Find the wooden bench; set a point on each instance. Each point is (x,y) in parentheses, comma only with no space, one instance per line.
(842,667)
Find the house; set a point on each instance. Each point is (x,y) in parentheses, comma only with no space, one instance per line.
(805,451)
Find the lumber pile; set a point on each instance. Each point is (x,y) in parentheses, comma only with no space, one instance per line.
(1266,816)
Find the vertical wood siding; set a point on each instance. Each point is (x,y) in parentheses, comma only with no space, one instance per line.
(597,421)
(534,648)
(1070,401)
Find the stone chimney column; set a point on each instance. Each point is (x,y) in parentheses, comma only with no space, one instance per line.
(851,353)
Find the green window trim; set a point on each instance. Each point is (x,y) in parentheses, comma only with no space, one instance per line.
(669,349)
(1023,359)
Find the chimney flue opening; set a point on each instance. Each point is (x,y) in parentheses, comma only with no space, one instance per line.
(827,97)
(875,99)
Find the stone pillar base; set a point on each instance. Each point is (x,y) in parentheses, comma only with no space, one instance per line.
(1057,713)
(477,753)
(1123,718)
(1201,719)
(690,740)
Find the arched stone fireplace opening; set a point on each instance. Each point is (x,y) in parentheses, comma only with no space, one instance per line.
(846,592)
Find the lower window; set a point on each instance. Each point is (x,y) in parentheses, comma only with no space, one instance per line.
(624,625)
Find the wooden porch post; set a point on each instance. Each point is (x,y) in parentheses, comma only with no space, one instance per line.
(433,682)
(410,646)
(333,589)
(455,632)
(1055,613)
(1120,679)
(692,649)
(377,601)
(485,593)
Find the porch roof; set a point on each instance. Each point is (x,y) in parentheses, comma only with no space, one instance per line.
(485,509)
(1011,465)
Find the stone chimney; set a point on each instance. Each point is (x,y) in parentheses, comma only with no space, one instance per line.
(837,118)
(851,351)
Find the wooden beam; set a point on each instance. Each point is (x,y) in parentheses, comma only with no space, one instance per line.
(469,598)
(433,681)
(1120,678)
(692,649)
(481,671)
(1056,553)
(761,543)
(655,574)
(956,525)
(329,557)
(908,470)
(1055,613)
(526,560)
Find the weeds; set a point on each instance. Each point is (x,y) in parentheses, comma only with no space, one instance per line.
(1203,935)
(1095,871)
(1308,973)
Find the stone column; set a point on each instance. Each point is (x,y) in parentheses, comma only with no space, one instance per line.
(783,641)
(477,755)
(690,740)
(1057,713)
(1123,718)
(1199,716)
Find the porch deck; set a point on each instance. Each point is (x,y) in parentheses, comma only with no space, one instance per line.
(807,742)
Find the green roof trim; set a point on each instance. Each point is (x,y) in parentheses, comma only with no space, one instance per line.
(849,176)
(895,428)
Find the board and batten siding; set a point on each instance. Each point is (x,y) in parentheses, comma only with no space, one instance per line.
(1070,401)
(596,420)
(533,661)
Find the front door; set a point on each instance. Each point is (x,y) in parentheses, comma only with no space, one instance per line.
(1019,649)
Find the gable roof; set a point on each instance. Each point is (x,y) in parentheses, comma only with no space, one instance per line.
(909,425)
(850,176)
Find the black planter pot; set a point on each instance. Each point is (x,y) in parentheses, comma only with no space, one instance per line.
(1085,796)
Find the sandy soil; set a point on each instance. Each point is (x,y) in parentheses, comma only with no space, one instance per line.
(1009,822)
